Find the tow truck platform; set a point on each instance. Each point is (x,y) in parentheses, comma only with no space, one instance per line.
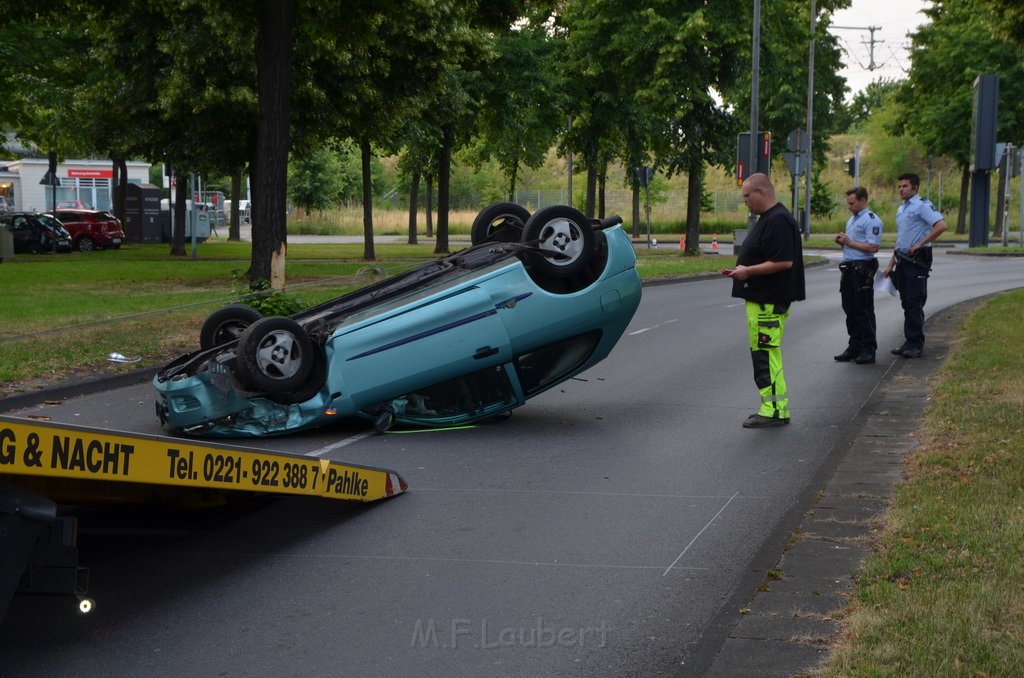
(45,464)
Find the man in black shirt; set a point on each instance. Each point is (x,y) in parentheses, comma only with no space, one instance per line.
(769,276)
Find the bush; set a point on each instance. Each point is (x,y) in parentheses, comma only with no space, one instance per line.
(259,295)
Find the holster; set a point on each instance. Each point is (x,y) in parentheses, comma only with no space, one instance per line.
(860,273)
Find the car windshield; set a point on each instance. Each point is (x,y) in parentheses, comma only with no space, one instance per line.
(50,221)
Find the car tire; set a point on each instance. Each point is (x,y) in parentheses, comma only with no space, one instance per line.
(563,239)
(86,244)
(501,222)
(275,355)
(227,324)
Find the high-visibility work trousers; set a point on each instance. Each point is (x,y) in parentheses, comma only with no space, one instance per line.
(765,325)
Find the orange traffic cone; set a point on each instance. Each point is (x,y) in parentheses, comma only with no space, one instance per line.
(714,243)
(682,246)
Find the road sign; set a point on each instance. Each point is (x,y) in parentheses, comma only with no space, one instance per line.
(796,162)
(49,179)
(764,155)
(798,141)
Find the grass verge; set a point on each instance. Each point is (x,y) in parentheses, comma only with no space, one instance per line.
(943,594)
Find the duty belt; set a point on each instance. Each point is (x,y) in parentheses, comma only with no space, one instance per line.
(859,264)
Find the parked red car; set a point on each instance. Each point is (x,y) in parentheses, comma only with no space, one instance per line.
(92,229)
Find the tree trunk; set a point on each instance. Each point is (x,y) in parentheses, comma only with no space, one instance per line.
(273,140)
(180,214)
(965,187)
(602,180)
(234,230)
(120,185)
(443,182)
(512,183)
(591,201)
(636,210)
(1000,199)
(414,200)
(430,205)
(367,153)
(693,190)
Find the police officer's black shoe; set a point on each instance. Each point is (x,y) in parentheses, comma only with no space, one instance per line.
(845,357)
(865,358)
(900,350)
(912,353)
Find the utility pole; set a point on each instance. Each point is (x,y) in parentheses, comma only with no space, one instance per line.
(755,104)
(872,66)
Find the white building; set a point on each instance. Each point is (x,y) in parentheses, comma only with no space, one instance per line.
(88,181)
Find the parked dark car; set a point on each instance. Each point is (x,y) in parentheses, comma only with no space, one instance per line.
(535,301)
(36,233)
(91,229)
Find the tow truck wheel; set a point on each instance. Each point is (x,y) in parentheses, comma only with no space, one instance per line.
(501,222)
(275,355)
(226,324)
(86,605)
(564,240)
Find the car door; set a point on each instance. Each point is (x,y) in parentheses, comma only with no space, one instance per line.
(418,344)
(26,235)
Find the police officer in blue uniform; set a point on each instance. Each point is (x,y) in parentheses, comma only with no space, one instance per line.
(917,225)
(857,278)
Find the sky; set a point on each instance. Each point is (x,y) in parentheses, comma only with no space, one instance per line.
(893,19)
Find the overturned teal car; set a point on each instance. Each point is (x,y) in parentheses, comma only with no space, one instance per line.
(535,300)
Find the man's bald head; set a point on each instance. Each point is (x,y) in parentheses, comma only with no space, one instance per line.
(759,193)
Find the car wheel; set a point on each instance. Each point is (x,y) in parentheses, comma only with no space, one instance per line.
(501,222)
(226,324)
(86,244)
(564,241)
(275,355)
(309,388)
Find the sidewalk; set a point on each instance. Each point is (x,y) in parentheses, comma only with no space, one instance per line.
(787,627)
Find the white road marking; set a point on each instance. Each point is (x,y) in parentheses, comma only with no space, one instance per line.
(341,443)
(697,536)
(654,327)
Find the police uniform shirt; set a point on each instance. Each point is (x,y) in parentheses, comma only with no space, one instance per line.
(914,221)
(864,226)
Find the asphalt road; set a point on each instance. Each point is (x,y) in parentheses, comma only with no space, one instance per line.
(607,529)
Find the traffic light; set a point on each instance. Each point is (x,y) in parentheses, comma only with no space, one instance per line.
(851,166)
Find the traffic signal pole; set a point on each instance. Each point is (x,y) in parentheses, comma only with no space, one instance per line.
(805,224)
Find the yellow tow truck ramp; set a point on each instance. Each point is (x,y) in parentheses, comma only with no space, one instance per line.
(30,447)
(44,463)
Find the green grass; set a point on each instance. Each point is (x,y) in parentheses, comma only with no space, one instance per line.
(943,595)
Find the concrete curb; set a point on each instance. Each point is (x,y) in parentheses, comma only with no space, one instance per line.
(72,388)
(789,625)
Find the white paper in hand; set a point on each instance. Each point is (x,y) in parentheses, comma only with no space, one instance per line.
(883,283)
